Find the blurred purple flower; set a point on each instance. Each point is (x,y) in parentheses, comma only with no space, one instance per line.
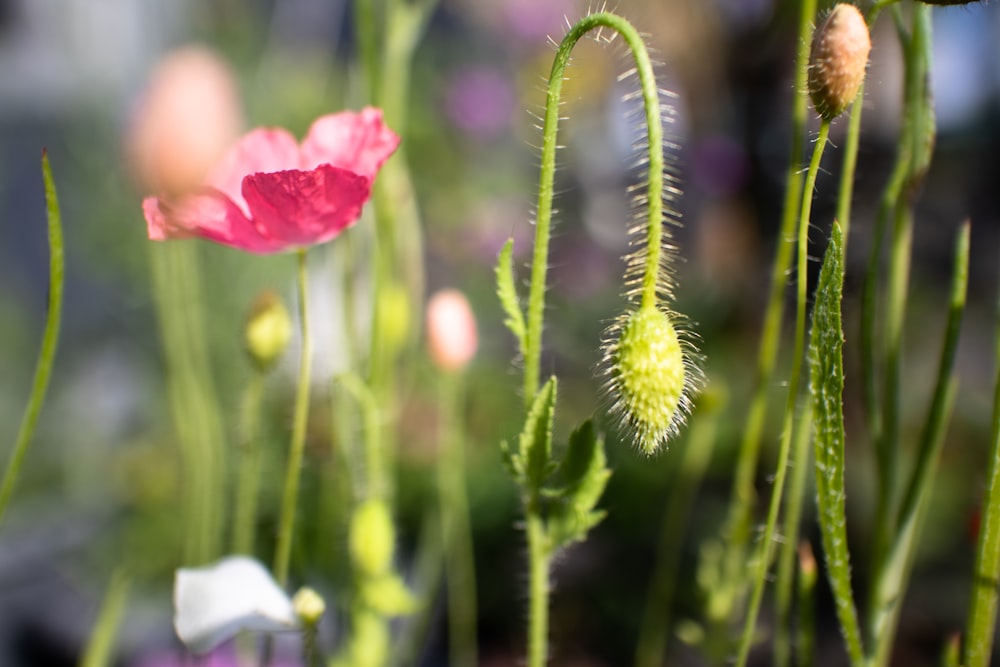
(224,656)
(480,101)
(719,166)
(532,20)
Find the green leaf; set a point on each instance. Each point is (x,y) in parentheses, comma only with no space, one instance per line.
(826,386)
(512,462)
(536,439)
(583,474)
(508,294)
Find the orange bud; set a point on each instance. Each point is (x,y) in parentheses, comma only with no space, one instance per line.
(451,330)
(837,60)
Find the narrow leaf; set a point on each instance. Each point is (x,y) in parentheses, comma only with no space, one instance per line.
(536,439)
(50,338)
(583,474)
(508,294)
(826,385)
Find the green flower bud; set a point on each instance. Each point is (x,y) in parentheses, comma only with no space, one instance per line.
(268,330)
(308,605)
(648,376)
(372,538)
(837,60)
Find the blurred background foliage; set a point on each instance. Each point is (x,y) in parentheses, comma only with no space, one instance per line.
(102,480)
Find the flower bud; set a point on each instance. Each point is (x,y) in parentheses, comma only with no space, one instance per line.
(648,376)
(187,117)
(308,605)
(372,538)
(837,60)
(268,330)
(451,330)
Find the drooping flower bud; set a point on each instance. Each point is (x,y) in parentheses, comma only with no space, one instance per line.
(308,605)
(268,330)
(837,60)
(451,330)
(648,376)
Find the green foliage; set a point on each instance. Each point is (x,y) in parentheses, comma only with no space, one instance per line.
(508,294)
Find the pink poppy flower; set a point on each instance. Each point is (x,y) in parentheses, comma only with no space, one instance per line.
(269,194)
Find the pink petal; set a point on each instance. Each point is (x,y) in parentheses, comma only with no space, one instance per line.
(301,208)
(209,215)
(263,149)
(358,141)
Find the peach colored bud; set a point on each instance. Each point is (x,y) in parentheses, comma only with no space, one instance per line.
(187,116)
(837,60)
(451,330)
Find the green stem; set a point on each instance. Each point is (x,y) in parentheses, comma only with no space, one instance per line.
(456,529)
(289,500)
(738,524)
(376,473)
(652,280)
(763,558)
(50,339)
(248,479)
(100,646)
(539,556)
(655,628)
(983,605)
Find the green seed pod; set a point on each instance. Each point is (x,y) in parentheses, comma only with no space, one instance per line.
(648,376)
(837,60)
(268,330)
(372,538)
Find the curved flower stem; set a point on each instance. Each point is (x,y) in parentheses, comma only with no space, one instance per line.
(763,558)
(248,479)
(651,278)
(50,339)
(289,498)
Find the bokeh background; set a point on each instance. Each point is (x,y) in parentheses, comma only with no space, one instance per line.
(101,480)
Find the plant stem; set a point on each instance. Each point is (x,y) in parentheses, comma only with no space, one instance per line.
(538,594)
(50,339)
(763,558)
(100,646)
(456,529)
(248,479)
(652,279)
(289,500)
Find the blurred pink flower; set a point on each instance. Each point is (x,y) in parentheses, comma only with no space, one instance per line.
(268,194)
(452,338)
(184,121)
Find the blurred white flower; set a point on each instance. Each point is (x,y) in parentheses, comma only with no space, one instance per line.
(214,603)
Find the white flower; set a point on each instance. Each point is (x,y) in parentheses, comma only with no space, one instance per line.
(214,603)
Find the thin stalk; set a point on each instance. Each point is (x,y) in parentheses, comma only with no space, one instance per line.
(738,524)
(50,340)
(376,473)
(763,558)
(539,557)
(456,529)
(784,587)
(248,477)
(651,280)
(978,645)
(289,499)
(687,478)
(100,646)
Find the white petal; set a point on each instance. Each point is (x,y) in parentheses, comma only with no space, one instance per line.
(215,602)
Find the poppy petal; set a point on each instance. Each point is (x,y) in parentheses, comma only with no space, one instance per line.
(209,215)
(359,141)
(305,207)
(261,150)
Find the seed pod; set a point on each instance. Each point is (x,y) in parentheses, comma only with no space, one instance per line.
(372,538)
(837,60)
(268,330)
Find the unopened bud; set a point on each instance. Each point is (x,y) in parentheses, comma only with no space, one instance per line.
(837,60)
(372,537)
(308,605)
(268,329)
(451,330)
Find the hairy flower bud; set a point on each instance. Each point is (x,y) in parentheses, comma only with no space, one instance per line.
(268,329)
(648,376)
(451,330)
(837,60)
